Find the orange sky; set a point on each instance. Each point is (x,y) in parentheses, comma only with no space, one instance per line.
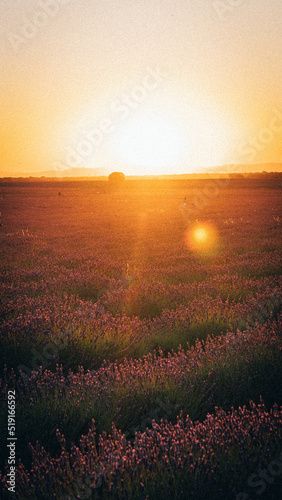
(145,87)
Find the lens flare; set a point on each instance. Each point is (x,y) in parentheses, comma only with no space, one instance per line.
(201,237)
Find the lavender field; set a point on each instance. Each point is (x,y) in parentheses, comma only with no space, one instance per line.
(141,332)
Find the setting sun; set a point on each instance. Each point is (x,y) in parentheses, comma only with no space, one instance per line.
(146,88)
(176,133)
(149,143)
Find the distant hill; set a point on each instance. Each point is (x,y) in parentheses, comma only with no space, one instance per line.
(70,172)
(201,172)
(241,169)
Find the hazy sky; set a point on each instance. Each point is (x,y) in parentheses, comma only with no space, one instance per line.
(141,86)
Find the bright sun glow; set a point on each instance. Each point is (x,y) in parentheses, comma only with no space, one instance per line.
(150,144)
(181,135)
(201,237)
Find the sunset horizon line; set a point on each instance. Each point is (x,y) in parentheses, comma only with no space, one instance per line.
(103,172)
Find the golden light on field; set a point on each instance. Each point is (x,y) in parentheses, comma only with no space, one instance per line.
(202,238)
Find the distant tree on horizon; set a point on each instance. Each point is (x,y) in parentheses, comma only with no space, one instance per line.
(117,177)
